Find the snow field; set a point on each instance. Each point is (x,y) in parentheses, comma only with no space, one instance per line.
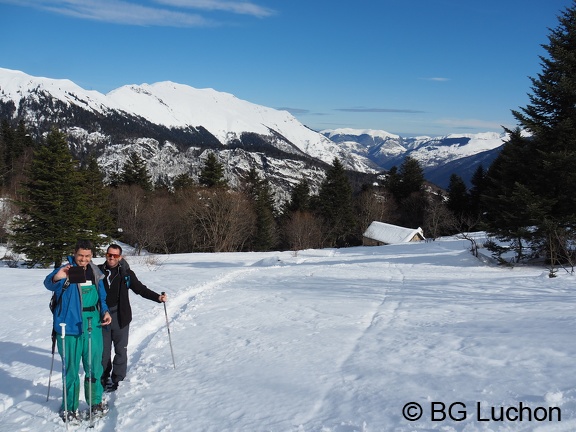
(319,340)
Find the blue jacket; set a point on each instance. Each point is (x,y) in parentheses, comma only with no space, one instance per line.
(69,310)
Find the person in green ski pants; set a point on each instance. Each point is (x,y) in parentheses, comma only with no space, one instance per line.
(78,301)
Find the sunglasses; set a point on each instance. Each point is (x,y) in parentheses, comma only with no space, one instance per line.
(111,255)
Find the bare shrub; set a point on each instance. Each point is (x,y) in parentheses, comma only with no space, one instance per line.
(144,217)
(438,219)
(375,205)
(221,220)
(303,230)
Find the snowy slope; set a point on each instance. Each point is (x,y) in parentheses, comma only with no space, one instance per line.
(439,150)
(373,133)
(223,114)
(440,157)
(388,149)
(318,341)
(14,85)
(226,117)
(180,106)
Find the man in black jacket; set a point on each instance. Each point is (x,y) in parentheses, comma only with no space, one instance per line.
(117,281)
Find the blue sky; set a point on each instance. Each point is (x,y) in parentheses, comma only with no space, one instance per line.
(409,67)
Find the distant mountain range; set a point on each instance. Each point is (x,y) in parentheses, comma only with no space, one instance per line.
(439,157)
(174,126)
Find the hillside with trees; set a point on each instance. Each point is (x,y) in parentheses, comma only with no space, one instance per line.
(61,199)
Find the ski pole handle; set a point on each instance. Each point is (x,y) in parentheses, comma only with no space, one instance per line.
(89,324)
(63,325)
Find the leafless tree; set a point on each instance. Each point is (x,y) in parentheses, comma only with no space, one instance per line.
(463,225)
(375,205)
(222,220)
(157,220)
(559,246)
(7,212)
(142,217)
(303,230)
(438,219)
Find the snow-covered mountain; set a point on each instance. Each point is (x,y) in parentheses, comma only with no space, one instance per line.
(438,156)
(174,126)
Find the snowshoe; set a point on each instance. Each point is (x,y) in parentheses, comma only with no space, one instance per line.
(71,417)
(98,411)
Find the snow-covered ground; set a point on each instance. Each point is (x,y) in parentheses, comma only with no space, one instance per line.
(333,340)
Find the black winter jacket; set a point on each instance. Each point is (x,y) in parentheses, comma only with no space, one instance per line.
(115,282)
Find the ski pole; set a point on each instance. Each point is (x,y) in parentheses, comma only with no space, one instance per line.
(90,370)
(51,364)
(169,336)
(64,371)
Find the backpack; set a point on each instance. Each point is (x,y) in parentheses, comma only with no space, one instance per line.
(56,301)
(53,303)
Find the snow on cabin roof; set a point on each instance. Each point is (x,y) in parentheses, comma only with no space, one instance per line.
(391,234)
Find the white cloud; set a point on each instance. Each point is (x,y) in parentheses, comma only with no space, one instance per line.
(173,13)
(238,7)
(120,12)
(439,79)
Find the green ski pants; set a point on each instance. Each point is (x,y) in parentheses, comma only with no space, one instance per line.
(76,350)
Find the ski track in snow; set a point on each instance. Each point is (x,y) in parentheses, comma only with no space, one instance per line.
(140,340)
(345,382)
(177,307)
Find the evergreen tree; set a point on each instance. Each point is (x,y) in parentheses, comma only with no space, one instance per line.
(551,115)
(22,141)
(458,201)
(135,172)
(51,218)
(537,171)
(266,234)
(7,145)
(412,177)
(3,149)
(97,212)
(299,198)
(475,193)
(405,181)
(551,118)
(14,144)
(212,173)
(182,181)
(406,186)
(503,178)
(336,207)
(393,183)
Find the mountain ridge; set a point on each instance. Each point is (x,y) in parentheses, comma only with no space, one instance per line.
(198,120)
(439,157)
